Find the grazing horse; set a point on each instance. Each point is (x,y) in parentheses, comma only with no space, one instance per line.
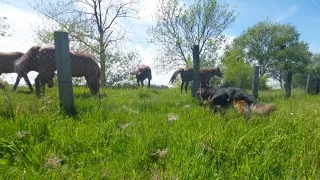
(187,75)
(143,72)
(7,66)
(43,60)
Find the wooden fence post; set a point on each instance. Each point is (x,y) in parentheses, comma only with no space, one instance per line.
(313,84)
(196,68)
(63,63)
(255,87)
(287,83)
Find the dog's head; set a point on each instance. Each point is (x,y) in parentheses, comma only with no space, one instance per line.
(200,90)
(204,93)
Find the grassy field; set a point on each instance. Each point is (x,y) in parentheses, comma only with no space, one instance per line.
(156,134)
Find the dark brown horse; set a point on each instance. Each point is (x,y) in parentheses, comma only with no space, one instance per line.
(7,66)
(187,75)
(42,60)
(143,72)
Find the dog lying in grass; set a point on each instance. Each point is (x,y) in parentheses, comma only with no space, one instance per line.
(221,98)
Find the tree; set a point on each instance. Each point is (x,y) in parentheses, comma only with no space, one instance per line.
(300,79)
(95,23)
(276,48)
(274,45)
(45,36)
(315,63)
(237,72)
(121,66)
(179,27)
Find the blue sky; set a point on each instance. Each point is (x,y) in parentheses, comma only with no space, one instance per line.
(304,14)
(299,13)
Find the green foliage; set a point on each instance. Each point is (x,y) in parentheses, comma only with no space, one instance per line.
(236,72)
(263,83)
(157,134)
(179,27)
(275,45)
(315,64)
(120,66)
(299,80)
(189,62)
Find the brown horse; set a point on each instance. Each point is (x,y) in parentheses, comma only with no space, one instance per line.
(43,60)
(187,75)
(7,66)
(143,72)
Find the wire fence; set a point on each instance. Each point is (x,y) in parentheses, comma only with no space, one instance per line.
(25,60)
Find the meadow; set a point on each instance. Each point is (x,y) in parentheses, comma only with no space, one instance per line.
(156,134)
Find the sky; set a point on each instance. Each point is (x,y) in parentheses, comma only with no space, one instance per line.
(304,14)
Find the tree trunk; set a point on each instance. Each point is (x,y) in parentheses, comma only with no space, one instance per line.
(287,84)
(280,80)
(102,63)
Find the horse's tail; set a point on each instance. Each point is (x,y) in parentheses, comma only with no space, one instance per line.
(150,73)
(174,76)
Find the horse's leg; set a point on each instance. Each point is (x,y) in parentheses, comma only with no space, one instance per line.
(149,82)
(186,87)
(182,83)
(17,82)
(138,81)
(142,83)
(25,77)
(43,86)
(38,84)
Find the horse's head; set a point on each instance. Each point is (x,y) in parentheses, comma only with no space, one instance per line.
(138,71)
(201,93)
(94,84)
(49,80)
(32,53)
(94,87)
(50,83)
(218,72)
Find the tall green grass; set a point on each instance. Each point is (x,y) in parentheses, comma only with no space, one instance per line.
(155,134)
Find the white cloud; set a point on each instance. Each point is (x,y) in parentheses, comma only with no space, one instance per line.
(148,9)
(21,29)
(292,10)
(21,37)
